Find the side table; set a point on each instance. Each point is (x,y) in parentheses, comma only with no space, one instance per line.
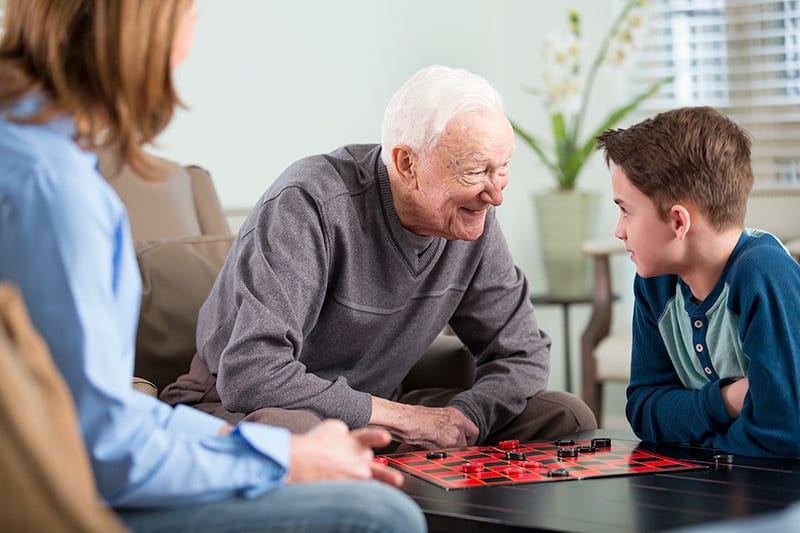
(565,302)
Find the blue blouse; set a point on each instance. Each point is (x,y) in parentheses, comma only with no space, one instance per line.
(66,243)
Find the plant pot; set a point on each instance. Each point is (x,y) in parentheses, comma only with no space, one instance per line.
(565,220)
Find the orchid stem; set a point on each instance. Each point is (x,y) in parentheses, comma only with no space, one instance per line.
(598,60)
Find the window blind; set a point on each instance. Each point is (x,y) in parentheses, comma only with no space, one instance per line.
(740,56)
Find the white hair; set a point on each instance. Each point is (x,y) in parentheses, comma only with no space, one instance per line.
(419,111)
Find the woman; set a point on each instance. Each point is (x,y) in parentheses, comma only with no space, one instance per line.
(76,76)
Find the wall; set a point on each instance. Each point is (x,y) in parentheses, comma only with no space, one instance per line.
(271,81)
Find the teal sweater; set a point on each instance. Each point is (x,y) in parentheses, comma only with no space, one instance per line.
(325,300)
(685,351)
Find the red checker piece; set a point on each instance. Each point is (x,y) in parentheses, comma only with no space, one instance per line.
(381,460)
(508,444)
(472,468)
(528,464)
(512,470)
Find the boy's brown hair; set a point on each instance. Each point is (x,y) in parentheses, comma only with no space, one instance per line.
(106,63)
(691,154)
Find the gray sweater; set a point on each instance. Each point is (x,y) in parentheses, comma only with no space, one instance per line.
(325,300)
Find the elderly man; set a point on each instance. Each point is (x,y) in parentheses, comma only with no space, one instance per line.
(352,263)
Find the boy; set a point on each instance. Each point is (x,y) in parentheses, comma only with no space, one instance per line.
(716,340)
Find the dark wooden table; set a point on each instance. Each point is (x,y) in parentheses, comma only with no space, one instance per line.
(647,502)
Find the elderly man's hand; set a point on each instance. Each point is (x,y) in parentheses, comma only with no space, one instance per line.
(424,427)
(330,451)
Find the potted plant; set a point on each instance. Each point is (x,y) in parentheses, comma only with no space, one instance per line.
(565,215)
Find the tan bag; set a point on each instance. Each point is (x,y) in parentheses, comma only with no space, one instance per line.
(46,482)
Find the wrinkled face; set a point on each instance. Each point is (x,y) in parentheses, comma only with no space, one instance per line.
(462,177)
(645,234)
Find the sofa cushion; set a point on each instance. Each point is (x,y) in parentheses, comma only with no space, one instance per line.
(47,481)
(613,356)
(177,275)
(170,202)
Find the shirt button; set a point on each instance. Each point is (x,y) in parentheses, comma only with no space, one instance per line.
(708,370)
(698,347)
(698,324)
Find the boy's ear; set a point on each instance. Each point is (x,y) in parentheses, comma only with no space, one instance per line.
(405,161)
(680,219)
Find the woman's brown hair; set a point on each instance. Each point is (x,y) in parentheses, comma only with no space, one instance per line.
(106,63)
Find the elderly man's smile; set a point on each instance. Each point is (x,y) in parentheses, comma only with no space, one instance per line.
(473,212)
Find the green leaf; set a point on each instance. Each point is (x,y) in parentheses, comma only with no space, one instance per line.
(535,145)
(565,153)
(569,154)
(619,114)
(559,130)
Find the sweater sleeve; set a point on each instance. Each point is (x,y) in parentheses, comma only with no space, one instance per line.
(660,408)
(763,295)
(766,295)
(495,320)
(263,305)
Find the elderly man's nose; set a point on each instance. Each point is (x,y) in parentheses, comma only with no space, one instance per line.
(492,194)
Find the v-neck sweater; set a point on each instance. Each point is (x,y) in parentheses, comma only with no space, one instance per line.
(323,301)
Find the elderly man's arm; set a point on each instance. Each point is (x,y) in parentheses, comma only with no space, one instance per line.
(495,320)
(424,427)
(251,328)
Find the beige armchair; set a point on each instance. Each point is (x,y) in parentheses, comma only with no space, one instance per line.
(605,355)
(47,479)
(182,238)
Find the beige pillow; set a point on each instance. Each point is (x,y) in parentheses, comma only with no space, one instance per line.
(177,275)
(47,482)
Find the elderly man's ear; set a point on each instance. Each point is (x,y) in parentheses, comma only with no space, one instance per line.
(405,162)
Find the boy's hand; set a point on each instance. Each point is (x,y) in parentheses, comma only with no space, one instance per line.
(733,396)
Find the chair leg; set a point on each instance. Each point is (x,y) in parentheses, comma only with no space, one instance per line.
(596,330)
(590,389)
(598,394)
